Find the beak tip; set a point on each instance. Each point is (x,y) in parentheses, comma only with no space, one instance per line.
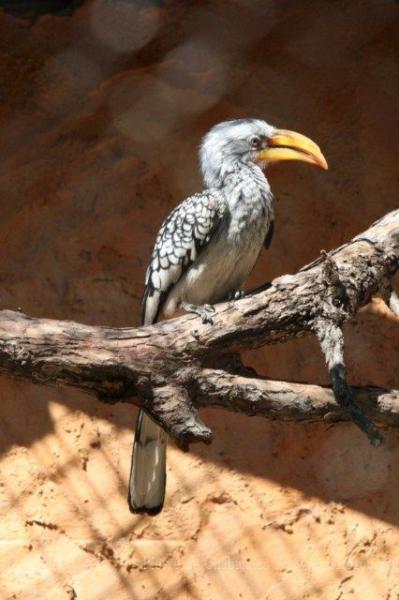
(321,162)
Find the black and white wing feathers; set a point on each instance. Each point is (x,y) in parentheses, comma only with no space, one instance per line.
(183,234)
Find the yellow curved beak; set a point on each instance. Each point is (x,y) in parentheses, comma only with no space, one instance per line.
(289,145)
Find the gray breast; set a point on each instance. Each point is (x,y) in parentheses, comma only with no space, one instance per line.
(228,259)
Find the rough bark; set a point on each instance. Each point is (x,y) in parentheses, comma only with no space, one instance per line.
(174,367)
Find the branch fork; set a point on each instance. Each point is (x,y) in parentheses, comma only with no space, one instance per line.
(175,367)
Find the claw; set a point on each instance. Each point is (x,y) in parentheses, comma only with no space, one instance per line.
(236,295)
(205,311)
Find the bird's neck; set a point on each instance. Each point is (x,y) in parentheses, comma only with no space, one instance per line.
(240,182)
(230,173)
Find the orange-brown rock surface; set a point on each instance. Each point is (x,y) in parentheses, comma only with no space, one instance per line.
(101,112)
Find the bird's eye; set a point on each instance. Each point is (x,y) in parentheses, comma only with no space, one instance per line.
(256,142)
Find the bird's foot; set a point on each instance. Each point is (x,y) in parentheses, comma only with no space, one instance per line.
(205,311)
(236,295)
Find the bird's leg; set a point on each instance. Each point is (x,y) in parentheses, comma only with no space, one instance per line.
(205,311)
(235,295)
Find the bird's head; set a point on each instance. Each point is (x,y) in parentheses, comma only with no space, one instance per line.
(252,141)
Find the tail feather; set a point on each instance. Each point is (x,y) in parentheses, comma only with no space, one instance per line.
(148,471)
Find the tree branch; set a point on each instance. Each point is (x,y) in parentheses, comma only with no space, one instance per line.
(287,401)
(331,340)
(166,368)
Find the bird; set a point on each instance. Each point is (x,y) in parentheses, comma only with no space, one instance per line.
(203,253)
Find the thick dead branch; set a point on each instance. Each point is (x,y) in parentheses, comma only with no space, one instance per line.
(165,368)
(287,401)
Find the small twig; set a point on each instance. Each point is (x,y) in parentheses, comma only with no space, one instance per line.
(390,297)
(331,340)
(394,303)
(330,272)
(331,278)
